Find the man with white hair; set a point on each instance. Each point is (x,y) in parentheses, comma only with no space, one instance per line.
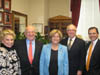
(76,47)
(29,51)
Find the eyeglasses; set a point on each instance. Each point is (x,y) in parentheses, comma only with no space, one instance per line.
(71,30)
(30,32)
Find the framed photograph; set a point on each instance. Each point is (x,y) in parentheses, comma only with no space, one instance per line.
(7,18)
(1,3)
(7,5)
(1,17)
(46,28)
(1,28)
(39,27)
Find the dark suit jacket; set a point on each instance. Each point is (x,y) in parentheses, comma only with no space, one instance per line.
(94,68)
(75,55)
(26,67)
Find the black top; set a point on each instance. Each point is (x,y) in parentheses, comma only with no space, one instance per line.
(7,48)
(53,67)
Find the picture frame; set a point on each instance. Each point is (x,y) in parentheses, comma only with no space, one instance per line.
(7,5)
(1,28)
(1,4)
(7,18)
(19,21)
(46,28)
(38,27)
(1,17)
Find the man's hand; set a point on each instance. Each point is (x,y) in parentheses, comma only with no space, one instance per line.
(79,72)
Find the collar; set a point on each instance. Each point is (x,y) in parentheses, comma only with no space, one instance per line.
(28,41)
(7,48)
(95,41)
(72,38)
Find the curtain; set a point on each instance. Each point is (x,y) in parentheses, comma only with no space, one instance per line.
(99,4)
(75,9)
(89,16)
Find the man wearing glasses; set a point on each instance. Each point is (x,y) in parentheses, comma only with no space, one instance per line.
(76,48)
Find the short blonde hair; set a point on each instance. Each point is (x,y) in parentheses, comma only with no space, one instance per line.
(54,31)
(7,32)
(70,26)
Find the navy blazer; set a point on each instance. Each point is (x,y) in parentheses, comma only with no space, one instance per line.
(63,67)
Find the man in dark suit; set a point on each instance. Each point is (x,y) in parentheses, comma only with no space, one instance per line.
(92,55)
(75,50)
(29,51)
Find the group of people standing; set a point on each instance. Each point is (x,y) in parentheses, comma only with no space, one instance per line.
(68,56)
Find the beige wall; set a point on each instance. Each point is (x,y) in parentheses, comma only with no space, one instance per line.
(46,12)
(36,11)
(39,11)
(58,7)
(20,6)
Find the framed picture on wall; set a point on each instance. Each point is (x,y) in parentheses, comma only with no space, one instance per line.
(7,18)
(38,27)
(1,17)
(7,5)
(1,3)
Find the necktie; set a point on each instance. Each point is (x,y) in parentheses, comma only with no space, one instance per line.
(69,44)
(30,52)
(89,56)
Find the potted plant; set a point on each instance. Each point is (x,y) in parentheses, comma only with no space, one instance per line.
(20,36)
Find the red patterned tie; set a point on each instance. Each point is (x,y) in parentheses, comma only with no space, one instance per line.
(30,52)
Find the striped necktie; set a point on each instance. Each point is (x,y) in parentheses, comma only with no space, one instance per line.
(69,44)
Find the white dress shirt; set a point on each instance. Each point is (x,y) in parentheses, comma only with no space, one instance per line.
(73,39)
(94,43)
